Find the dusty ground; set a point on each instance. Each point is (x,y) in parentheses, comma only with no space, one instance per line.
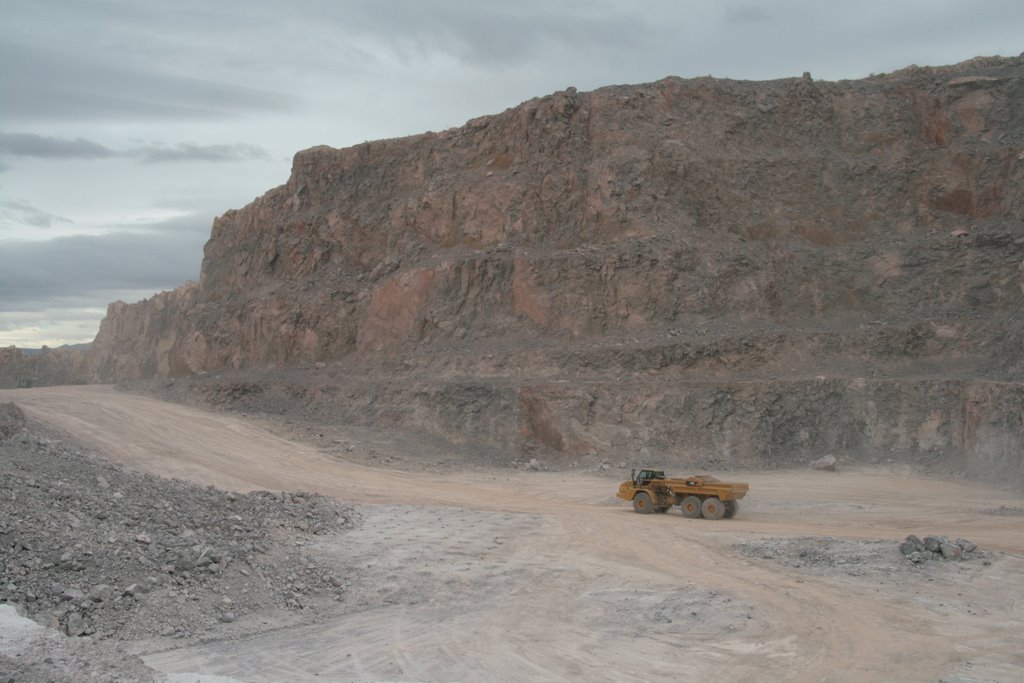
(546,576)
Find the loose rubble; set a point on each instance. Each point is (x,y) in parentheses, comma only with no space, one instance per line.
(93,549)
(937,548)
(30,652)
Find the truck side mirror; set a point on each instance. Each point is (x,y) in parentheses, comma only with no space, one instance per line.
(632,475)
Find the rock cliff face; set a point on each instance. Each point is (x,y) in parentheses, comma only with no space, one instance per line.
(619,265)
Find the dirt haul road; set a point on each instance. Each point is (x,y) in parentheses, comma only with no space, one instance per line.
(541,576)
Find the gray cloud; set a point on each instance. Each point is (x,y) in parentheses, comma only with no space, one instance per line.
(45,147)
(15,212)
(499,35)
(85,269)
(193,228)
(747,14)
(155,154)
(40,84)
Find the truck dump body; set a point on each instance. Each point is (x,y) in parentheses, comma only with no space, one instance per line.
(697,496)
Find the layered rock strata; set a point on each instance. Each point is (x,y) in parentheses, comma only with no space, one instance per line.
(609,260)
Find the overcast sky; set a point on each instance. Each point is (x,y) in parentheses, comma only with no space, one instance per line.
(126,126)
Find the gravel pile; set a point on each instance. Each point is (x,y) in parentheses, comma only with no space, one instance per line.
(30,653)
(93,549)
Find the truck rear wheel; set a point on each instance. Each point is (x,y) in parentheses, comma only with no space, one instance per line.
(690,507)
(731,508)
(642,503)
(712,508)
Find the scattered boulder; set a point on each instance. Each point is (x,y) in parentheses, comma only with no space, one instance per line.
(73,595)
(75,625)
(101,593)
(950,551)
(912,545)
(965,545)
(825,464)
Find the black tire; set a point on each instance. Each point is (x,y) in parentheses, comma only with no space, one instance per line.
(731,508)
(690,507)
(712,508)
(642,503)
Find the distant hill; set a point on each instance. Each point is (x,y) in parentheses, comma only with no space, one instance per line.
(83,347)
(45,366)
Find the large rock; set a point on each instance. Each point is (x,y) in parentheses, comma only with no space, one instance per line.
(911,545)
(826,463)
(75,625)
(101,593)
(950,551)
(966,546)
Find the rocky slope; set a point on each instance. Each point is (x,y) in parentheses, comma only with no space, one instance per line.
(91,548)
(750,271)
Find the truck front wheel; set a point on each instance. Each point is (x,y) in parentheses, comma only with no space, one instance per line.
(642,504)
(731,508)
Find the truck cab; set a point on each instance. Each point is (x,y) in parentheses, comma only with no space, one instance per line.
(644,477)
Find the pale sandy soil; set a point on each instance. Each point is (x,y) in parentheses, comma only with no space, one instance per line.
(546,576)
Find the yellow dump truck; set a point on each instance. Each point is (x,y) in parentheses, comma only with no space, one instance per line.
(697,496)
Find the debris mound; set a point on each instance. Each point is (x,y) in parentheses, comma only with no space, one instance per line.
(90,548)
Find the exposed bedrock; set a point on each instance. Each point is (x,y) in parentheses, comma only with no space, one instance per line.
(688,231)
